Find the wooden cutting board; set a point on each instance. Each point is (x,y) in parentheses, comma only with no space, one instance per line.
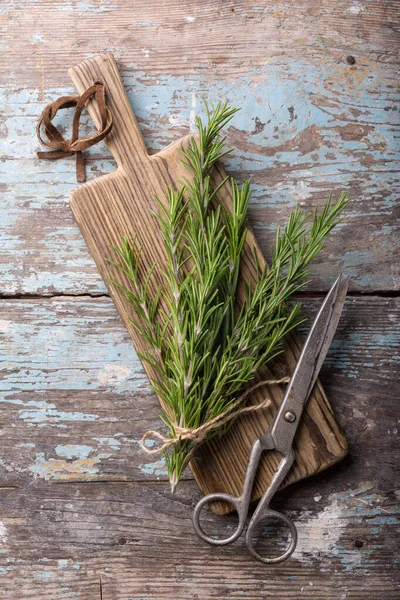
(117,205)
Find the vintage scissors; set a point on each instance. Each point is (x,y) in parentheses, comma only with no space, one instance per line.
(281,434)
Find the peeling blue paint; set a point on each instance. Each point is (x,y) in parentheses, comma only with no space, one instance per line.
(65,469)
(112,442)
(146,24)
(163,105)
(52,417)
(157,468)
(356,506)
(42,575)
(73,451)
(95,6)
(59,354)
(148,443)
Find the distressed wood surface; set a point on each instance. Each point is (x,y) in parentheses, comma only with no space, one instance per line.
(80,502)
(83,514)
(72,542)
(309,124)
(75,399)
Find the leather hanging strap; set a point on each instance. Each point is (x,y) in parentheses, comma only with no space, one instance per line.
(61,147)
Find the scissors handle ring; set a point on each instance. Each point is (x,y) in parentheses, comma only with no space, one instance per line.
(272,514)
(236,502)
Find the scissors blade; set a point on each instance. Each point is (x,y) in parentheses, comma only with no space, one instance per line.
(331,329)
(319,339)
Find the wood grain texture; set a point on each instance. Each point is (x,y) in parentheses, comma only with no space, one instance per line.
(138,542)
(118,205)
(310,124)
(65,526)
(75,399)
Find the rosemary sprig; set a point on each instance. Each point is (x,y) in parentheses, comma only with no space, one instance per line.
(202,348)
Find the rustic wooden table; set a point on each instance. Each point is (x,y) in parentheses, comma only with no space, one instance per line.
(84,513)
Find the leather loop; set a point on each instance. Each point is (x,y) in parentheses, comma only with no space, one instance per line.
(61,147)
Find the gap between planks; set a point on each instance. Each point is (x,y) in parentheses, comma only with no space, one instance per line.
(300,294)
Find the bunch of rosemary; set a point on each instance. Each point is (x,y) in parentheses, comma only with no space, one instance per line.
(202,347)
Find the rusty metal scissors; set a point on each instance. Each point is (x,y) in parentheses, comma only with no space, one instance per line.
(281,434)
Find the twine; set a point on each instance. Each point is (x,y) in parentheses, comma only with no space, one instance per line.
(198,434)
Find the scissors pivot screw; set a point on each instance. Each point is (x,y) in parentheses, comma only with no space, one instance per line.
(290,417)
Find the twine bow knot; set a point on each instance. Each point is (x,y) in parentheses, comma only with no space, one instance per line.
(55,140)
(198,434)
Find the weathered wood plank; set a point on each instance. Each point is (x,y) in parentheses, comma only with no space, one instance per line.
(60,540)
(166,38)
(75,400)
(308,126)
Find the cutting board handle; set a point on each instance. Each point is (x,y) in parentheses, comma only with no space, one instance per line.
(125,132)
